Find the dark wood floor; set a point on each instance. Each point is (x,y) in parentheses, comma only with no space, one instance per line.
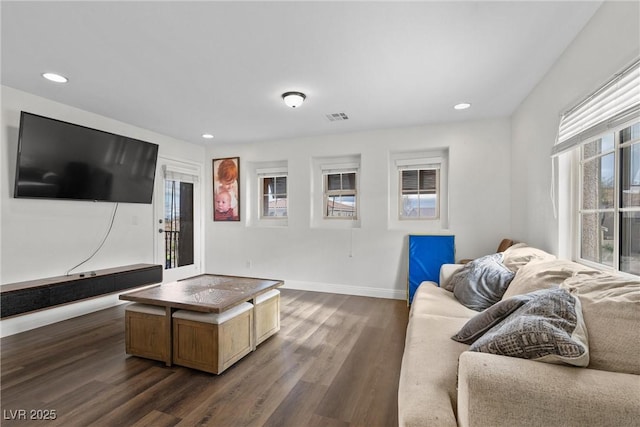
(335,362)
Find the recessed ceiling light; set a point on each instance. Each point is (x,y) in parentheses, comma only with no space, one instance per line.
(462,106)
(207,136)
(55,77)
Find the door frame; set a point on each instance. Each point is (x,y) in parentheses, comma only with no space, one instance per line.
(197,267)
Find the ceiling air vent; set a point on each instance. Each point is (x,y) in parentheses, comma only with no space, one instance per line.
(337,117)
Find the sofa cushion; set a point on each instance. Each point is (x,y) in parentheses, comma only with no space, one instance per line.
(482,282)
(548,328)
(498,391)
(538,275)
(487,319)
(611,309)
(446,273)
(520,254)
(433,300)
(427,393)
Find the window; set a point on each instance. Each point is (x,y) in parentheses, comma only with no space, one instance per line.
(335,192)
(340,195)
(597,209)
(604,133)
(267,193)
(273,196)
(609,212)
(630,199)
(418,190)
(419,193)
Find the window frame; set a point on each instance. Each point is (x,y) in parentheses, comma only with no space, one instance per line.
(254,193)
(433,157)
(322,165)
(326,193)
(617,209)
(401,191)
(272,175)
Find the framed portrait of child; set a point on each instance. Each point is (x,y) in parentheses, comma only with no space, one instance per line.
(226,189)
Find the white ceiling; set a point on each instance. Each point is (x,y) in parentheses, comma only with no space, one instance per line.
(186,68)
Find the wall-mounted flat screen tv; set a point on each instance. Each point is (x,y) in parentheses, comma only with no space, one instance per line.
(60,160)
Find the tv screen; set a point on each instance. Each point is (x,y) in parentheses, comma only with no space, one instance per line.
(60,160)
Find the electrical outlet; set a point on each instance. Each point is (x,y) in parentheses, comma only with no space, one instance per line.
(248,264)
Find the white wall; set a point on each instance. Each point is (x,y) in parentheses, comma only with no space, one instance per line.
(499,182)
(44,238)
(310,257)
(608,42)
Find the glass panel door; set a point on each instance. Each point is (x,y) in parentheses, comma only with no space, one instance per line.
(178,223)
(178,219)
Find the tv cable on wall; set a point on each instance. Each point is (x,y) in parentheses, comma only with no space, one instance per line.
(104,239)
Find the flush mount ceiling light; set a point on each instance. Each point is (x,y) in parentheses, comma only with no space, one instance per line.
(207,136)
(57,78)
(462,106)
(293,99)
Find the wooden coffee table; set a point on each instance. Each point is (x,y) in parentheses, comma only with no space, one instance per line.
(210,293)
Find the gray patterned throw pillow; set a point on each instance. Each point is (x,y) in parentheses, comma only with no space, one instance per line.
(548,328)
(482,282)
(487,319)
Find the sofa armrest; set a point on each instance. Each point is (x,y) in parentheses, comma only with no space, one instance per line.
(448,270)
(505,391)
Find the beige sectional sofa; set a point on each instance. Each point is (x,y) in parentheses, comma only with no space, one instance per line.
(444,384)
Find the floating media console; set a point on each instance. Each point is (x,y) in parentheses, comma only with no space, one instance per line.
(24,297)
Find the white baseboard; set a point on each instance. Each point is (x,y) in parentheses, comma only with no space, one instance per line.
(346,289)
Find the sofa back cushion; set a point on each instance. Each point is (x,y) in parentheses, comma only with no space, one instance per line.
(433,300)
(520,254)
(538,275)
(611,310)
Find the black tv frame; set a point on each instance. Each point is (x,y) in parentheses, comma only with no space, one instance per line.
(96,196)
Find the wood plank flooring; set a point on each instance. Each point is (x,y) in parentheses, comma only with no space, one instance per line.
(335,362)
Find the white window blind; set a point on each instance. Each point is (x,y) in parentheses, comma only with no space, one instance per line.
(423,163)
(271,172)
(175,173)
(612,104)
(335,168)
